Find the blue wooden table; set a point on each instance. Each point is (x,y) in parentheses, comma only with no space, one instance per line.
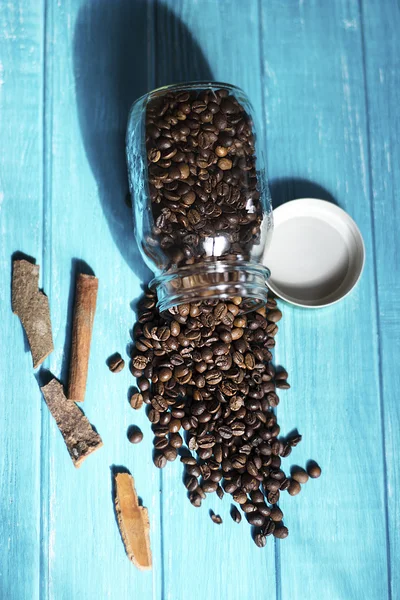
(325,81)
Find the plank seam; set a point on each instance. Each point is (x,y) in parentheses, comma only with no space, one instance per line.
(377,303)
(46,282)
(152,81)
(277,551)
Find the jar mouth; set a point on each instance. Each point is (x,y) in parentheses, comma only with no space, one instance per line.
(210,281)
(191,85)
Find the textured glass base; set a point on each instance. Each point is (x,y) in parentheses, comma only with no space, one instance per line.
(207,281)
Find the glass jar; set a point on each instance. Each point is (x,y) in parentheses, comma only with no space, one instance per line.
(201,203)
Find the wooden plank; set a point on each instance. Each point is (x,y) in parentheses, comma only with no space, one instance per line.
(21,81)
(318,146)
(381,23)
(95,51)
(194,40)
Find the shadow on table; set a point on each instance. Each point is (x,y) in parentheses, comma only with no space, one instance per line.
(285,189)
(121,51)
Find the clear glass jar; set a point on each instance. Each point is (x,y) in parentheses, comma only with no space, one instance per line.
(201,203)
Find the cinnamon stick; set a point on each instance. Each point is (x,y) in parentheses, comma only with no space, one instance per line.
(32,307)
(133,521)
(79,436)
(84,310)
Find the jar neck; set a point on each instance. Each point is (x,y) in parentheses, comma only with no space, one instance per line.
(223,279)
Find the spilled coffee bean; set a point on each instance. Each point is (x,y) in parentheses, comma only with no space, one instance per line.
(204,368)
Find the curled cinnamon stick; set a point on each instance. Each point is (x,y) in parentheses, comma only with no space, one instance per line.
(84,310)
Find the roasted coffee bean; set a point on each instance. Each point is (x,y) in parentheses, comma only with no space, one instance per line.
(235,514)
(281,532)
(197,375)
(300,475)
(159,460)
(285,484)
(188,460)
(209,486)
(139,362)
(294,487)
(165,374)
(191,483)
(248,507)
(175,440)
(136,400)
(255,518)
(273,497)
(159,403)
(314,470)
(216,519)
(263,509)
(257,496)
(195,499)
(194,470)
(170,453)
(160,443)
(174,425)
(260,540)
(282,385)
(274,315)
(276,514)
(134,435)
(116,363)
(240,497)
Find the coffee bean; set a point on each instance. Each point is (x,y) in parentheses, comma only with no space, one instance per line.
(276,514)
(281,532)
(159,460)
(293,441)
(139,362)
(175,440)
(116,363)
(197,376)
(174,425)
(216,519)
(209,486)
(260,540)
(136,400)
(170,453)
(257,496)
(165,374)
(294,487)
(195,499)
(239,497)
(235,514)
(273,497)
(300,475)
(134,435)
(160,443)
(314,470)
(188,460)
(255,518)
(283,385)
(220,492)
(274,315)
(194,470)
(191,483)
(269,528)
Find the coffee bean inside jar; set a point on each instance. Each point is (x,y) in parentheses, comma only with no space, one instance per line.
(202,208)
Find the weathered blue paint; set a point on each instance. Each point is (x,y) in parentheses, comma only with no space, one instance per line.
(324,80)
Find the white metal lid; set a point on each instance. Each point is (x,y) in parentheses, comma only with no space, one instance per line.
(316,254)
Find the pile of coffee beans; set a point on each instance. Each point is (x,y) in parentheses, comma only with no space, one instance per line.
(204,370)
(202,176)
